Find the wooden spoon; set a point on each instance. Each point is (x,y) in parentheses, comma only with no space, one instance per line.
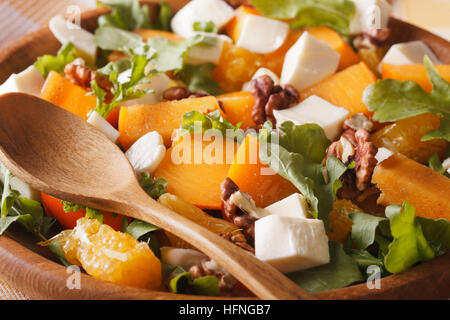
(60,154)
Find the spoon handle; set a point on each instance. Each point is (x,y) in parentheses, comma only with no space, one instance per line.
(262,279)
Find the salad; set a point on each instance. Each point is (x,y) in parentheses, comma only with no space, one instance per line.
(290,128)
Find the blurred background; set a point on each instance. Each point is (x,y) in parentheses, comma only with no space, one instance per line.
(18,17)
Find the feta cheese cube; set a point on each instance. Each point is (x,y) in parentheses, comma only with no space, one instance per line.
(262,35)
(200,54)
(308,61)
(291,244)
(294,206)
(261,72)
(370,13)
(147,153)
(383,154)
(101,124)
(28,81)
(217,11)
(65,31)
(158,83)
(185,258)
(315,110)
(446,165)
(409,53)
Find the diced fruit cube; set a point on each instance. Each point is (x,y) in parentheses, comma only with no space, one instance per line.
(291,244)
(234,27)
(413,72)
(402,179)
(147,153)
(185,258)
(28,81)
(308,61)
(237,107)
(404,136)
(163,117)
(217,11)
(345,88)
(110,255)
(104,126)
(207,54)
(294,206)
(192,171)
(315,110)
(409,53)
(257,179)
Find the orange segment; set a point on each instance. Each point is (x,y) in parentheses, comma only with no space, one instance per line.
(194,171)
(164,117)
(237,107)
(110,255)
(400,178)
(404,136)
(413,72)
(60,91)
(340,223)
(256,178)
(345,88)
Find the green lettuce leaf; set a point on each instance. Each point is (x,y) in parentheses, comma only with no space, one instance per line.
(46,63)
(409,245)
(336,14)
(340,272)
(199,77)
(90,212)
(363,229)
(138,229)
(125,14)
(437,233)
(112,38)
(393,100)
(183,283)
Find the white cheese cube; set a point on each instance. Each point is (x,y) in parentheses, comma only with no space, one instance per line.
(101,124)
(383,154)
(200,54)
(217,11)
(25,190)
(245,202)
(315,110)
(294,206)
(65,31)
(370,13)
(291,244)
(409,53)
(261,72)
(28,81)
(185,258)
(308,61)
(158,83)
(147,153)
(446,165)
(262,35)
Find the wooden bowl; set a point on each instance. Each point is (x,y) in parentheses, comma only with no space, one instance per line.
(36,272)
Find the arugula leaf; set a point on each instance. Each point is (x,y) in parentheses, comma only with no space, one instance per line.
(336,14)
(46,63)
(363,228)
(410,245)
(164,17)
(437,233)
(364,259)
(90,212)
(154,188)
(393,100)
(340,272)
(138,229)
(125,14)
(183,283)
(204,26)
(298,158)
(212,121)
(199,77)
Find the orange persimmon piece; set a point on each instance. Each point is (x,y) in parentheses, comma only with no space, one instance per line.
(150,33)
(237,107)
(194,170)
(331,37)
(402,179)
(345,88)
(256,178)
(164,117)
(60,91)
(413,72)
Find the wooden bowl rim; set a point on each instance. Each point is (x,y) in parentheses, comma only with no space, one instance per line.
(41,271)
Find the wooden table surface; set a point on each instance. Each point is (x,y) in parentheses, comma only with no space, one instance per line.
(18,17)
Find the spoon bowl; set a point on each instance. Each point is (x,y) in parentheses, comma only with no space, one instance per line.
(60,154)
